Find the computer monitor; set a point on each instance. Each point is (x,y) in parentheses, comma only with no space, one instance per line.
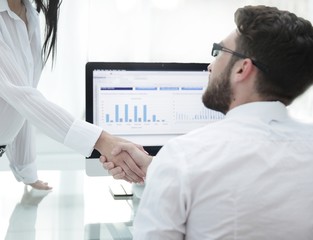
(147,103)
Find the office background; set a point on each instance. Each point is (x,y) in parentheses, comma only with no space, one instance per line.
(144,30)
(81,207)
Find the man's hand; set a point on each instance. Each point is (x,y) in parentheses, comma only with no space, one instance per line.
(106,143)
(116,172)
(141,158)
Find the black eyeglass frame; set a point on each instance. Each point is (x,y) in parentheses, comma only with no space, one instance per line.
(217,47)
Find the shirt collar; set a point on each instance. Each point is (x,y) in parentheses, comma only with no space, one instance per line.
(32,14)
(267,111)
(4,6)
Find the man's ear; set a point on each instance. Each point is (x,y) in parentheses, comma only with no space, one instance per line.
(243,69)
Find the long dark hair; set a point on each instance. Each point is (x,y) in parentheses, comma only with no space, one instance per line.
(50,9)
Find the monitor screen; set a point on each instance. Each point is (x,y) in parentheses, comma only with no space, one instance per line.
(148,103)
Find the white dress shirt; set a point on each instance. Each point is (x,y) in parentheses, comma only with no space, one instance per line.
(22,105)
(248,176)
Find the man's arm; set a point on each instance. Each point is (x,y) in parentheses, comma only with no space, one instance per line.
(157,217)
(162,213)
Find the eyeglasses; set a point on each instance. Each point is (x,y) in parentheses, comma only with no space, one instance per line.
(217,48)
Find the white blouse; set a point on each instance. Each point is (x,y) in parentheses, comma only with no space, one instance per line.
(23,106)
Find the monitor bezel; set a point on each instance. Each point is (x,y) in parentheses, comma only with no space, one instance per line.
(131,66)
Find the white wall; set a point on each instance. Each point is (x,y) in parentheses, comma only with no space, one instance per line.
(144,30)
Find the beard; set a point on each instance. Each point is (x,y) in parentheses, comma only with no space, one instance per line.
(218,94)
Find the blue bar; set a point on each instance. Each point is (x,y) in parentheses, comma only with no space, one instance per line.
(115,88)
(126,112)
(154,118)
(107,118)
(135,113)
(116,113)
(169,88)
(191,88)
(144,113)
(146,88)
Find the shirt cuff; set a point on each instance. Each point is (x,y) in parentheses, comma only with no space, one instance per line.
(82,137)
(26,173)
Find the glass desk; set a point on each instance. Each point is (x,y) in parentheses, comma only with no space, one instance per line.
(78,208)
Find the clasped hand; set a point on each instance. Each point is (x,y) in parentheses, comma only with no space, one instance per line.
(130,154)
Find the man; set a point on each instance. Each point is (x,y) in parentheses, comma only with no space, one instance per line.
(248,176)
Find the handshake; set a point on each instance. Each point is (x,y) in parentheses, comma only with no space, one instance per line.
(123,159)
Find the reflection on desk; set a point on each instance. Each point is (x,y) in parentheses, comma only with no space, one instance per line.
(109,231)
(113,229)
(111,224)
(78,208)
(24,227)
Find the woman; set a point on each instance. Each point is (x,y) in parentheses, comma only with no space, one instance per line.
(22,106)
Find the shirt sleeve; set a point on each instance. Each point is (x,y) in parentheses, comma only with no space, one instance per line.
(50,118)
(163,209)
(22,153)
(82,137)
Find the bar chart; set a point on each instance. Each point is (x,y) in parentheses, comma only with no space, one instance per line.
(126,113)
(189,108)
(199,115)
(153,112)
